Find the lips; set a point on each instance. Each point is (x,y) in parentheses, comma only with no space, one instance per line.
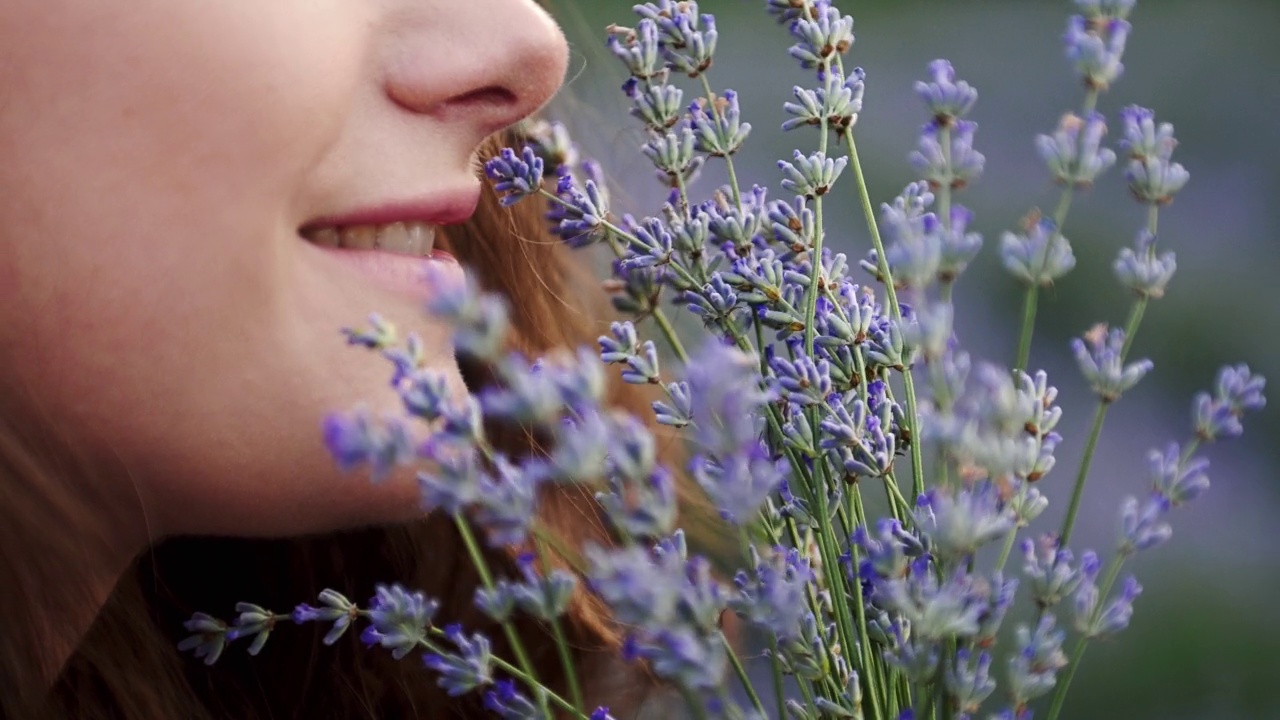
(394,243)
(405,227)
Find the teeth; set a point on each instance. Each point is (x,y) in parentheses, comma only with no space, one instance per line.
(326,237)
(412,238)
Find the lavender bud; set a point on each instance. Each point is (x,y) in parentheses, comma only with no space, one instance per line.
(960,522)
(380,335)
(1096,49)
(969,679)
(959,247)
(811,176)
(964,165)
(498,603)
(509,704)
(946,99)
(466,670)
(1155,181)
(545,597)
(1142,525)
(550,141)
(772,596)
(356,439)
(515,177)
(1098,353)
(680,412)
(398,619)
(1175,480)
(657,105)
(1039,257)
(672,154)
(209,638)
(255,621)
(638,49)
(1074,153)
(720,132)
(1048,566)
(823,36)
(1142,271)
(1033,669)
(1143,139)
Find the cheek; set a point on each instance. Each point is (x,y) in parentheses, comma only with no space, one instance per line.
(152,152)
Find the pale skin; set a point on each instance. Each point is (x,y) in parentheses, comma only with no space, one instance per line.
(157,158)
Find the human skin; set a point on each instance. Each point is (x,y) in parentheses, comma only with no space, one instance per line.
(157,160)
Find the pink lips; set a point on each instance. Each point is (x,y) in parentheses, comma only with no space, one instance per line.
(416,277)
(448,208)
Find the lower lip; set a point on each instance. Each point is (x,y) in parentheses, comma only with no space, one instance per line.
(418,277)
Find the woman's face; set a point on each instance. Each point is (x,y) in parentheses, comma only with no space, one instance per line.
(160,162)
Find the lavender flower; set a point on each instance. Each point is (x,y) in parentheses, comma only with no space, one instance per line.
(946,98)
(932,163)
(515,176)
(1049,568)
(357,439)
(1100,355)
(255,621)
(1142,524)
(823,36)
(773,595)
(720,132)
(335,608)
(465,670)
(1033,669)
(1093,622)
(509,704)
(838,102)
(1236,391)
(1040,256)
(1142,271)
(398,619)
(960,522)
(958,245)
(811,175)
(672,153)
(687,40)
(546,596)
(638,49)
(1175,479)
(209,638)
(1074,153)
(1096,49)
(968,678)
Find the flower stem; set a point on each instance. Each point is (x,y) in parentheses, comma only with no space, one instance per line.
(1060,693)
(913,418)
(741,672)
(1094,433)
(1028,326)
(513,638)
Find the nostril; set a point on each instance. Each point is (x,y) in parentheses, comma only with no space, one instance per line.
(492,96)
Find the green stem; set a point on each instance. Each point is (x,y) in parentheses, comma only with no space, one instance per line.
(1060,693)
(669,333)
(1077,491)
(741,672)
(778,692)
(562,643)
(513,638)
(1028,326)
(864,198)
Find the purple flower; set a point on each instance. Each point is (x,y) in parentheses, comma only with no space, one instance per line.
(515,177)
(209,638)
(1040,256)
(1143,139)
(823,36)
(356,439)
(811,175)
(465,670)
(638,49)
(506,498)
(959,522)
(946,98)
(773,596)
(398,619)
(1033,668)
(1074,153)
(687,40)
(737,482)
(1100,355)
(720,132)
(1143,271)
(964,165)
(838,101)
(1176,480)
(1096,49)
(1115,617)
(968,679)
(1142,525)
(255,621)
(544,596)
(1048,566)
(509,704)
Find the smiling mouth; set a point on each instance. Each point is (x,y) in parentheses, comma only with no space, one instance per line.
(401,238)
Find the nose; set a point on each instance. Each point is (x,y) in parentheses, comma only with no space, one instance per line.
(480,64)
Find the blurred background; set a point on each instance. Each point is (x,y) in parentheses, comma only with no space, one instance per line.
(1205,640)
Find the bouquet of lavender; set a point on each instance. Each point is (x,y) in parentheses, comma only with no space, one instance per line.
(815,399)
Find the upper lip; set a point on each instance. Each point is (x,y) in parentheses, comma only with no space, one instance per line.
(443,208)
